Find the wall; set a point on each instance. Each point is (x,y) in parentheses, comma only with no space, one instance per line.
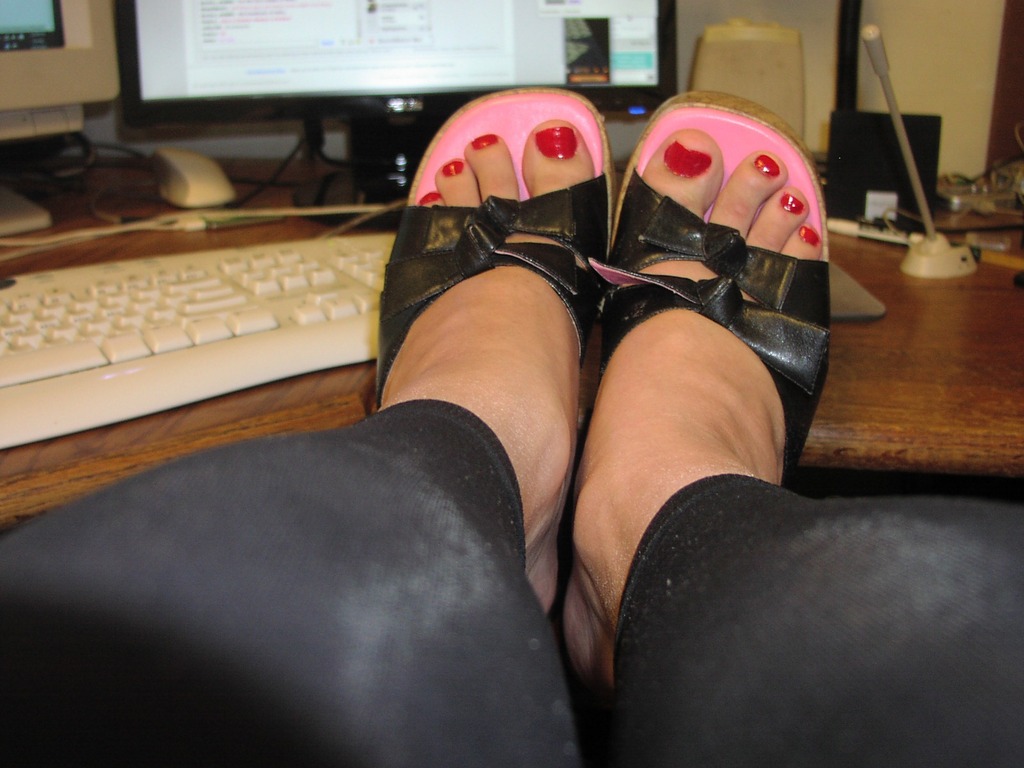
(942,54)
(942,57)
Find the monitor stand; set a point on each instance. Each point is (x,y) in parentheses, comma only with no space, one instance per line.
(385,154)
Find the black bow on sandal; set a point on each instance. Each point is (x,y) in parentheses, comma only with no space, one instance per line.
(438,247)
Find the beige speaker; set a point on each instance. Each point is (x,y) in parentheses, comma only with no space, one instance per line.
(762,62)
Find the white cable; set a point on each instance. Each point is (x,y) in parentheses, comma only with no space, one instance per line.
(190,221)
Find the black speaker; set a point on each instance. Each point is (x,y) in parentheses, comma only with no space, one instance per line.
(864,157)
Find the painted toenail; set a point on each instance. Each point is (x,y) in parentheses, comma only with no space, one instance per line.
(688,163)
(767,166)
(454,168)
(485,141)
(558,142)
(430,198)
(809,236)
(792,204)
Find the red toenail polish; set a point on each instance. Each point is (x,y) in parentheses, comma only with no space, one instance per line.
(485,141)
(688,163)
(792,204)
(454,168)
(767,166)
(558,142)
(430,198)
(809,236)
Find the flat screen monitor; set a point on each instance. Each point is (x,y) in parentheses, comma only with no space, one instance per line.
(393,69)
(55,56)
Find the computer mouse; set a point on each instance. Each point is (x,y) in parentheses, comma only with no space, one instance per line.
(1018,279)
(189,179)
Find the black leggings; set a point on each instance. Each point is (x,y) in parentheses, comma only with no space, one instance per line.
(358,598)
(762,628)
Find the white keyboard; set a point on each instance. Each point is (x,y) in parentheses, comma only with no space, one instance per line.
(87,346)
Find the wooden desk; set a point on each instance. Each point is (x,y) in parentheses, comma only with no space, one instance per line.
(935,386)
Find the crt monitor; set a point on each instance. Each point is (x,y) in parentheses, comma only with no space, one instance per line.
(393,69)
(55,56)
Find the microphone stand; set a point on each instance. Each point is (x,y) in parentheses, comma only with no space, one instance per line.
(930,255)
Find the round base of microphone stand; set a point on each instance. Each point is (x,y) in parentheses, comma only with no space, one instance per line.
(935,258)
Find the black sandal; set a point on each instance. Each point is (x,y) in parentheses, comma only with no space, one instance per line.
(437,247)
(787,322)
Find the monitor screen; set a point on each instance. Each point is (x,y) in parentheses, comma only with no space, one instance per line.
(31,25)
(238,59)
(392,69)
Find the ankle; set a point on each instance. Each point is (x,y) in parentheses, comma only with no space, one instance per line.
(667,433)
(690,400)
(503,346)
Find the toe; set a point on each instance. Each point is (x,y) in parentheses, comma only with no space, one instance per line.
(492,165)
(457,184)
(781,216)
(687,167)
(751,183)
(805,243)
(555,157)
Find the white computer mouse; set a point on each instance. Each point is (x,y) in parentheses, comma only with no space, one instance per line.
(189,179)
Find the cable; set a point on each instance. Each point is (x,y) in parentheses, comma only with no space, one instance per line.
(313,131)
(123,149)
(361,219)
(191,221)
(273,176)
(113,218)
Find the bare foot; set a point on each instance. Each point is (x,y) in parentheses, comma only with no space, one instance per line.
(502,345)
(681,398)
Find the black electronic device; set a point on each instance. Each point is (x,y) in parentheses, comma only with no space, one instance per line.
(865,159)
(392,71)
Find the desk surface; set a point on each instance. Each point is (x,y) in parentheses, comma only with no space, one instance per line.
(935,386)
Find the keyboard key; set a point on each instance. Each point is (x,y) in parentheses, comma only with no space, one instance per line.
(187,287)
(49,361)
(307,313)
(321,277)
(166,339)
(233,266)
(218,291)
(62,333)
(293,282)
(127,346)
(213,305)
(207,330)
(267,286)
(336,309)
(252,321)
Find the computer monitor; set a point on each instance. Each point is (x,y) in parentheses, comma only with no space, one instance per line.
(393,69)
(55,56)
